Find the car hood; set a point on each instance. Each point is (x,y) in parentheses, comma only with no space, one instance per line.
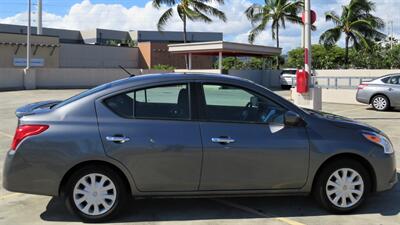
(35,108)
(341,121)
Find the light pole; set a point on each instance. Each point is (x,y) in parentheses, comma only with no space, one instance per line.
(39,17)
(28,38)
(307,37)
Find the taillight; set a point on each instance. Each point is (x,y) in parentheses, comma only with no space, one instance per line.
(362,86)
(24,131)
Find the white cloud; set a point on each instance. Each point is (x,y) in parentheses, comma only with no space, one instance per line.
(87,15)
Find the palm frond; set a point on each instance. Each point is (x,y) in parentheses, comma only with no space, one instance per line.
(164,19)
(201,17)
(257,30)
(330,37)
(206,9)
(332,16)
(157,3)
(360,40)
(253,12)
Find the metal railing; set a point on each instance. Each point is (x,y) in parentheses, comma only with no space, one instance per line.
(336,82)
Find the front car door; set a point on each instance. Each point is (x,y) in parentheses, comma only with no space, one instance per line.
(246,146)
(150,131)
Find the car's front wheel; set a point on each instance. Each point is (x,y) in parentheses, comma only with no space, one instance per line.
(342,186)
(95,193)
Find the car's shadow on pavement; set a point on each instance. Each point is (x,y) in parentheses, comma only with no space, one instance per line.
(147,210)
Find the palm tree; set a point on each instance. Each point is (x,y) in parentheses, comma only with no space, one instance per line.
(194,10)
(275,11)
(358,25)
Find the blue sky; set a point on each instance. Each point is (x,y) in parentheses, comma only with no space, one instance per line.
(12,7)
(139,14)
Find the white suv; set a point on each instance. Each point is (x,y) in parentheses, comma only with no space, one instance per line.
(288,78)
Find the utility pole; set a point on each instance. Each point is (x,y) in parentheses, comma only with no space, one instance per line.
(28,38)
(39,17)
(391,34)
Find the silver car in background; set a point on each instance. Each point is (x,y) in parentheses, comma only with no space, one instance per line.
(288,78)
(382,93)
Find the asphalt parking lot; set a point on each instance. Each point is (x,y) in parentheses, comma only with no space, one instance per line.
(382,208)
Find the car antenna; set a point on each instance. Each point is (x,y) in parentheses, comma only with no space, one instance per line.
(126,71)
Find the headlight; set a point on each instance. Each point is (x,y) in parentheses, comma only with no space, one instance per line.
(380,140)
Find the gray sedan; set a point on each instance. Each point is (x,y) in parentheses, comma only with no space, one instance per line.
(173,135)
(382,93)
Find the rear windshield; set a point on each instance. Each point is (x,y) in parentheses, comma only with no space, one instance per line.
(89,92)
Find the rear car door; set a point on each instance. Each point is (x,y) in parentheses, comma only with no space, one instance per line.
(393,90)
(151,132)
(246,145)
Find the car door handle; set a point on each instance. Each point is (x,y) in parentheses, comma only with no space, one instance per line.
(117,139)
(223,140)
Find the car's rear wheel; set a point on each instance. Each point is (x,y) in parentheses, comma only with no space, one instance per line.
(95,193)
(342,186)
(380,103)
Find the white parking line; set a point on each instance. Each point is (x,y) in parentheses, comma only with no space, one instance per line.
(258,213)
(5,134)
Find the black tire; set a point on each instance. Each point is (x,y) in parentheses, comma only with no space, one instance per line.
(320,185)
(122,194)
(286,87)
(377,102)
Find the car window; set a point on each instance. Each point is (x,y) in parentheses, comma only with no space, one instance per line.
(394,80)
(234,104)
(385,80)
(164,102)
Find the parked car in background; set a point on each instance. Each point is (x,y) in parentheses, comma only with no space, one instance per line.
(382,93)
(169,135)
(288,78)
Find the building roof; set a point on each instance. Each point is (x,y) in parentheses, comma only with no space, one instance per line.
(174,36)
(227,48)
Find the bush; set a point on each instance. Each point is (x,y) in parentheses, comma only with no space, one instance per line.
(163,67)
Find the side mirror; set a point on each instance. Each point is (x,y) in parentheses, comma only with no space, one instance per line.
(292,119)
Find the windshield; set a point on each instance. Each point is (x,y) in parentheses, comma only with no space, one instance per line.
(83,94)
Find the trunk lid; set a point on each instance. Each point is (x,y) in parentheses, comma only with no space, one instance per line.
(35,108)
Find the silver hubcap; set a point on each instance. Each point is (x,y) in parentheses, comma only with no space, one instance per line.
(94,194)
(380,103)
(345,188)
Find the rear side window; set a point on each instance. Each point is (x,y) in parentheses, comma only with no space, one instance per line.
(164,102)
(391,80)
(394,80)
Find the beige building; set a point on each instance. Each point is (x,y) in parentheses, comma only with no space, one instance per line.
(45,51)
(155,53)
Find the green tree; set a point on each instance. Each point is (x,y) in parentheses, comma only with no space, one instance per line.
(394,57)
(322,58)
(248,63)
(359,26)
(275,11)
(193,10)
